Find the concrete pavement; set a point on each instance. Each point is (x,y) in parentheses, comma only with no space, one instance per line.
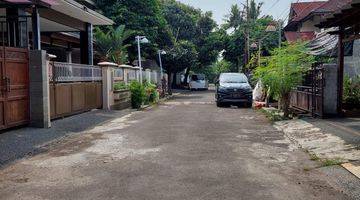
(186,148)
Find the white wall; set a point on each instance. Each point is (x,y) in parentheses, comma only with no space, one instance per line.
(352,63)
(309,25)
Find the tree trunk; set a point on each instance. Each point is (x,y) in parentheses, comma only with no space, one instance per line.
(285,102)
(169,83)
(174,80)
(267,98)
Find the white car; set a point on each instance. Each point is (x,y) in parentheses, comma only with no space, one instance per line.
(198,82)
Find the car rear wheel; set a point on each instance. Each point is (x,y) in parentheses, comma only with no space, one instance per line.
(219,104)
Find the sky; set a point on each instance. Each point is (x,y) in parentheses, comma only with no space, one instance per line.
(277,8)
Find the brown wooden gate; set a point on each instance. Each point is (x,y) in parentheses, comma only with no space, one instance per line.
(309,97)
(74,88)
(14,87)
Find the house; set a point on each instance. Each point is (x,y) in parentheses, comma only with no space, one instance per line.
(31,30)
(304,16)
(346,25)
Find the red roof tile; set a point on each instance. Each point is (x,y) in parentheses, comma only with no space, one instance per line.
(333,5)
(303,9)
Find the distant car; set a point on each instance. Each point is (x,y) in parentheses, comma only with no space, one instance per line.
(198,82)
(233,88)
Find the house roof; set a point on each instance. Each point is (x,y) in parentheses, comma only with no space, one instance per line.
(302,9)
(292,36)
(347,17)
(332,5)
(41,2)
(70,8)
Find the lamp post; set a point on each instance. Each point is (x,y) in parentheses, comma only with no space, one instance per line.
(163,81)
(161,52)
(140,39)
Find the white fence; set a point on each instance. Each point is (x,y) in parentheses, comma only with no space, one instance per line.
(71,72)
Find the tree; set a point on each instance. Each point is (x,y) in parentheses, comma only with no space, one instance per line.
(234,19)
(234,49)
(144,17)
(212,72)
(197,27)
(110,44)
(284,71)
(234,43)
(179,57)
(254,10)
(181,18)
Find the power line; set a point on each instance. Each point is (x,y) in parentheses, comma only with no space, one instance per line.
(274,4)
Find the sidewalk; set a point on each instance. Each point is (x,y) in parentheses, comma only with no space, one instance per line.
(334,144)
(326,139)
(18,143)
(346,128)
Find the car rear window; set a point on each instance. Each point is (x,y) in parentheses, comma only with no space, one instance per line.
(198,77)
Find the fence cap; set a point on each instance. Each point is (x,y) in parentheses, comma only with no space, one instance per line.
(126,66)
(107,64)
(51,56)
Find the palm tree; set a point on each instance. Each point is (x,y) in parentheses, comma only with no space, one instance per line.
(111,44)
(235,18)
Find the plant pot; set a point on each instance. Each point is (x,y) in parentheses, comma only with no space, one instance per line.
(121,94)
(116,95)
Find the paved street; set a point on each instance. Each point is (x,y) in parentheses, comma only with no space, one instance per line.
(183,149)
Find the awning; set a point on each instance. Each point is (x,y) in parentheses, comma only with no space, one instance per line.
(80,12)
(41,2)
(70,8)
(326,44)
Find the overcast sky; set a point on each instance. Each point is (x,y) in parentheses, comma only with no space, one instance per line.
(277,8)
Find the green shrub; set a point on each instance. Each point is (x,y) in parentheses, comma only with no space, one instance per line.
(352,91)
(138,94)
(284,71)
(120,86)
(152,95)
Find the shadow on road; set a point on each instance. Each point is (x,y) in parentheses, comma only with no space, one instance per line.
(21,142)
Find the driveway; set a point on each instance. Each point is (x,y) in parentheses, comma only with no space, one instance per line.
(183,149)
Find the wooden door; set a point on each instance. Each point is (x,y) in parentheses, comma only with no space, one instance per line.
(14,95)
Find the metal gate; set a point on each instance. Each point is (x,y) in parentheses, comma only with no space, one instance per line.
(309,97)
(74,88)
(14,87)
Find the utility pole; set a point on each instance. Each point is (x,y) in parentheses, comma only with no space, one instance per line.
(247,35)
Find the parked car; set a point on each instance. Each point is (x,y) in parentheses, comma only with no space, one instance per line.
(198,82)
(233,88)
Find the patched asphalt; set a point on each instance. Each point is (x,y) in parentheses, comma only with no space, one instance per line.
(185,148)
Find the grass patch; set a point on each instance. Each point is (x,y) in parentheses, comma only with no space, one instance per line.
(314,157)
(306,169)
(273,114)
(331,162)
(324,162)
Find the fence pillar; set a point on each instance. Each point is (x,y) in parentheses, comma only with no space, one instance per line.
(138,74)
(39,89)
(107,80)
(155,74)
(148,75)
(125,72)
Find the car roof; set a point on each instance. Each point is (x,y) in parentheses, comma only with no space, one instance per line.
(232,74)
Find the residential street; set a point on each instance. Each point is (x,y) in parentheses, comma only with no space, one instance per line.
(185,148)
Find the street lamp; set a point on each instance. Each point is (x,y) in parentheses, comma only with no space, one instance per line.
(161,52)
(144,40)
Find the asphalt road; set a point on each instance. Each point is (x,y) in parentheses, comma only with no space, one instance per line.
(183,149)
